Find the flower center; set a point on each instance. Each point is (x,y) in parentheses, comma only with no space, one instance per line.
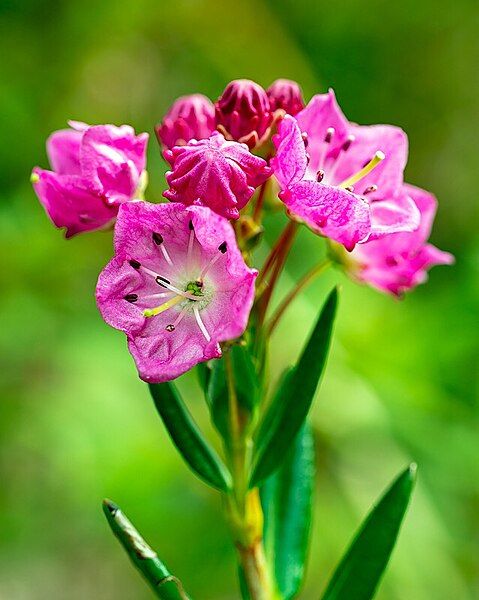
(191,296)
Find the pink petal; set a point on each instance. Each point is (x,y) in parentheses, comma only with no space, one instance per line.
(392,216)
(63,149)
(290,162)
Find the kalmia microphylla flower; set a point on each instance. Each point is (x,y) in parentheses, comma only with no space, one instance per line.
(95,169)
(399,261)
(177,286)
(332,173)
(243,112)
(286,95)
(214,172)
(189,117)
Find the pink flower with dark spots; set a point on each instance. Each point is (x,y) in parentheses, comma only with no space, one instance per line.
(398,262)
(177,286)
(214,172)
(243,112)
(189,117)
(333,173)
(95,169)
(286,95)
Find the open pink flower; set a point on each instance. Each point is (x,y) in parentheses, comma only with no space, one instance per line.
(189,117)
(95,169)
(398,262)
(177,286)
(332,172)
(214,172)
(243,112)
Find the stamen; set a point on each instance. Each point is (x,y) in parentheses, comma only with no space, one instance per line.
(371,188)
(131,297)
(222,248)
(377,158)
(320,175)
(201,325)
(177,321)
(304,135)
(190,244)
(330,131)
(350,188)
(165,283)
(158,239)
(135,264)
(151,312)
(347,144)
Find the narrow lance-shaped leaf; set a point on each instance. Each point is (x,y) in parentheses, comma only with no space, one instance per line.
(286,497)
(246,384)
(163,583)
(360,570)
(187,437)
(293,400)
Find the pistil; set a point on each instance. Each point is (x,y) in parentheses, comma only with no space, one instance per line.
(151,312)
(377,158)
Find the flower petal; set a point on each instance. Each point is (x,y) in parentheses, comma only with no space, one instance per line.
(392,216)
(63,149)
(290,162)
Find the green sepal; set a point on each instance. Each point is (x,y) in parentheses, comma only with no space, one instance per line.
(361,568)
(286,497)
(163,583)
(188,439)
(293,399)
(246,384)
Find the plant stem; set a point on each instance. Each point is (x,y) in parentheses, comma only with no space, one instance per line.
(258,208)
(289,230)
(302,283)
(243,506)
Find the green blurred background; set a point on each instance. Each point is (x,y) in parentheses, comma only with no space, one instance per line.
(76,423)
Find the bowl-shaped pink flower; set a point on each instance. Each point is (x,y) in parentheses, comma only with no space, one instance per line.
(398,262)
(95,169)
(189,117)
(214,172)
(331,172)
(177,286)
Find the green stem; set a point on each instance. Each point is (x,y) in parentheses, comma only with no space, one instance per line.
(163,583)
(300,286)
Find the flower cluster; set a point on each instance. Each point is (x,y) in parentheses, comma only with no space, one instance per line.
(179,285)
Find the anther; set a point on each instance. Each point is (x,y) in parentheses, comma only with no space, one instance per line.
(330,131)
(162,280)
(371,188)
(347,144)
(131,297)
(199,283)
(320,175)
(135,264)
(170,327)
(223,247)
(349,188)
(190,225)
(157,238)
(304,135)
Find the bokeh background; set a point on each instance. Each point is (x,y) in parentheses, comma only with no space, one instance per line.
(77,425)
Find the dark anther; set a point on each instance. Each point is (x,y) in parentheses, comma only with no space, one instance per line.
(131,297)
(199,283)
(135,264)
(190,225)
(320,175)
(371,188)
(170,328)
(222,247)
(157,238)
(304,135)
(162,280)
(329,135)
(349,188)
(347,144)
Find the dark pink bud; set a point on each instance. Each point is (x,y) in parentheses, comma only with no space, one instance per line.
(286,95)
(189,117)
(243,112)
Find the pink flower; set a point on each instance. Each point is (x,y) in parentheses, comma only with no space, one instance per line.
(243,112)
(95,169)
(177,286)
(286,95)
(332,172)
(399,261)
(214,172)
(189,117)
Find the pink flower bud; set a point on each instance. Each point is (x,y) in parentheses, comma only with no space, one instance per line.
(243,112)
(189,117)
(286,95)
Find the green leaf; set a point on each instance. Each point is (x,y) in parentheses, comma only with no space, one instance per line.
(359,572)
(294,397)
(246,385)
(188,439)
(286,497)
(142,556)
